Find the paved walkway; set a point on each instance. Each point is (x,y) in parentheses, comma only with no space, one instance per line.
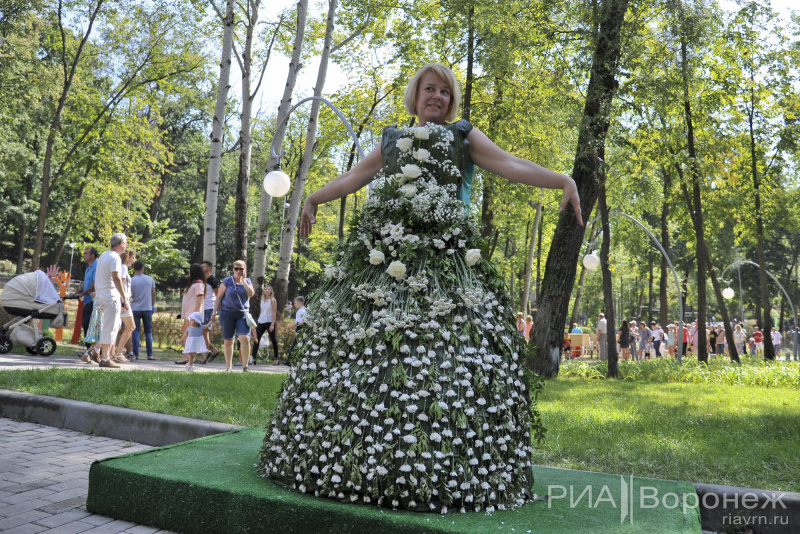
(26,361)
(44,480)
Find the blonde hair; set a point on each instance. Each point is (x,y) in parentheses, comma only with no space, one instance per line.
(240,263)
(446,75)
(127,254)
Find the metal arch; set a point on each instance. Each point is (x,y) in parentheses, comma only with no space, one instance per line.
(785,294)
(277,156)
(679,331)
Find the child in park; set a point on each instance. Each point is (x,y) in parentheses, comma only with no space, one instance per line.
(752,347)
(193,340)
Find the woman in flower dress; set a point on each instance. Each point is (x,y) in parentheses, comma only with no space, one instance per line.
(410,390)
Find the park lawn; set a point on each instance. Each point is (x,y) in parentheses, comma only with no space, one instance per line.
(706,432)
(703,432)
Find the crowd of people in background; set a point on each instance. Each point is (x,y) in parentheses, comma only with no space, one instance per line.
(639,340)
(118,305)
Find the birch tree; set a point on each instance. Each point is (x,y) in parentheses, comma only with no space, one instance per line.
(290,225)
(217,128)
(265,205)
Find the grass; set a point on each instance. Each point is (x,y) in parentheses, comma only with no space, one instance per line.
(702,432)
(741,435)
(234,398)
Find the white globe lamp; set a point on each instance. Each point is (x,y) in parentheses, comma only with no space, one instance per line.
(727,293)
(591,261)
(277,183)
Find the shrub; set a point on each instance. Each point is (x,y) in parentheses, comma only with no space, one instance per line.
(166,329)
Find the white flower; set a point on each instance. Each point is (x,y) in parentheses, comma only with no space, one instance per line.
(376,257)
(404,143)
(408,190)
(422,154)
(421,132)
(396,270)
(410,170)
(330,272)
(473,255)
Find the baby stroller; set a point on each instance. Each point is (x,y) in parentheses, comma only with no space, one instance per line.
(30,296)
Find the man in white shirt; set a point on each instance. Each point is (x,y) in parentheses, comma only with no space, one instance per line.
(110,295)
(602,337)
(657,335)
(777,340)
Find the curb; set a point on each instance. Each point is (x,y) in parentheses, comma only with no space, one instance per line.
(149,428)
(734,509)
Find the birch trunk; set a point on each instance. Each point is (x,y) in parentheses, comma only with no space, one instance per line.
(576,307)
(215,159)
(548,331)
(265,206)
(245,140)
(290,226)
(529,262)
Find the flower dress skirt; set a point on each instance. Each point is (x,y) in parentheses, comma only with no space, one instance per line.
(409,387)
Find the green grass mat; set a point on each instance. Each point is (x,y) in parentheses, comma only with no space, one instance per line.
(210,485)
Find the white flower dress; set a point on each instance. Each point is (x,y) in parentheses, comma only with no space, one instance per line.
(408,387)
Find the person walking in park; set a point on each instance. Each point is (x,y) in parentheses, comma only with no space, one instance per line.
(739,339)
(192,339)
(645,336)
(110,295)
(121,354)
(602,336)
(777,340)
(143,299)
(233,306)
(193,298)
(758,336)
(212,285)
(671,339)
(268,322)
(424,197)
(658,336)
(90,257)
(624,339)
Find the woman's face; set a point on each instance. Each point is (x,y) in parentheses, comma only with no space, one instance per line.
(268,291)
(433,99)
(130,260)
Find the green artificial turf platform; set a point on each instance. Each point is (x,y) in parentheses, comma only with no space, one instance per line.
(210,485)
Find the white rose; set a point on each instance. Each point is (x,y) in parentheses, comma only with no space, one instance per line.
(404,143)
(330,272)
(412,171)
(473,256)
(408,190)
(375,257)
(421,132)
(422,154)
(397,270)
(400,179)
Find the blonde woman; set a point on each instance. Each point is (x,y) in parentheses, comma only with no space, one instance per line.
(233,301)
(267,321)
(739,337)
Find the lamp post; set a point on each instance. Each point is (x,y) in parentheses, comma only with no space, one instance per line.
(728,294)
(71,253)
(591,262)
(277,183)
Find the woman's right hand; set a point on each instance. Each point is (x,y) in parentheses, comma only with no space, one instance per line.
(307,217)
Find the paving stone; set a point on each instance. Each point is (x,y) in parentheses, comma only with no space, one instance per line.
(71,528)
(29,528)
(30,495)
(22,518)
(63,518)
(142,529)
(67,504)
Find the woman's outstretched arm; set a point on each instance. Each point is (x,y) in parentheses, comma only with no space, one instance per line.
(345,184)
(491,157)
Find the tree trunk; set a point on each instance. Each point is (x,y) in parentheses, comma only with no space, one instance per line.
(529,261)
(23,224)
(55,127)
(548,332)
(696,210)
(217,131)
(766,315)
(608,290)
(723,311)
(467,103)
(265,206)
(576,307)
(155,206)
(56,255)
(664,281)
(290,226)
(240,236)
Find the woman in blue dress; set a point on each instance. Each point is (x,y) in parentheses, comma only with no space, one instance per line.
(409,390)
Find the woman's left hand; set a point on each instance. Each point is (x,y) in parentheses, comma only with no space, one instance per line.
(571,197)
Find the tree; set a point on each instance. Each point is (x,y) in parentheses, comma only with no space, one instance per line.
(215,157)
(588,170)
